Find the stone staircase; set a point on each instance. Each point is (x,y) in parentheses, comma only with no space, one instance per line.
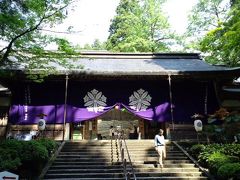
(86,160)
(176,166)
(94,160)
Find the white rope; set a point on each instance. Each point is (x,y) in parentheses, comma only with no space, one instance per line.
(170,96)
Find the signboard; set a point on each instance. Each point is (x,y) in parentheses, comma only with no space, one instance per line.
(5,175)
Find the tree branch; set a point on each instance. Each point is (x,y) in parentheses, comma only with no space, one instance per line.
(3,49)
(9,47)
(60,32)
(163,38)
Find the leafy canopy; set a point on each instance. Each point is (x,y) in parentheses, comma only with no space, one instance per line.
(139,26)
(222,43)
(22,23)
(207,15)
(214,29)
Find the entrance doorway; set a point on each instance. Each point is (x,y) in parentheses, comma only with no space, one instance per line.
(152,128)
(124,120)
(99,129)
(77,131)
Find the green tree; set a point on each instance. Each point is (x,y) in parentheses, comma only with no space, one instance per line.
(98,45)
(139,26)
(22,23)
(222,43)
(205,16)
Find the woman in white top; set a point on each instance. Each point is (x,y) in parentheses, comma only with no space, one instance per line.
(159,142)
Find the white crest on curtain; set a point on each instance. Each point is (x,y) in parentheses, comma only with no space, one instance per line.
(140,100)
(95,101)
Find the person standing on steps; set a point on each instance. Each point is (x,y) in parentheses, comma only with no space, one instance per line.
(111,132)
(159,142)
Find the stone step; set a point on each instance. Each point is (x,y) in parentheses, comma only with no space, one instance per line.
(85,163)
(135,162)
(144,178)
(93,160)
(108,149)
(120,170)
(114,150)
(172,178)
(103,142)
(120,175)
(169,155)
(174,153)
(84,175)
(109,166)
(97,158)
(137,143)
(160,174)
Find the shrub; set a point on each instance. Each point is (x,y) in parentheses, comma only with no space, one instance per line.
(229,170)
(231,149)
(11,144)
(34,151)
(217,159)
(9,159)
(51,145)
(207,151)
(196,149)
(26,158)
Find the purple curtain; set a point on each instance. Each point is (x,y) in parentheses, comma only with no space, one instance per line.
(20,114)
(159,113)
(75,114)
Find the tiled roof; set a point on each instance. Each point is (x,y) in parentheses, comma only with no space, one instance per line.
(145,64)
(124,64)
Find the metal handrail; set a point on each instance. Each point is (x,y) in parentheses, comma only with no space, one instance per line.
(111,150)
(124,161)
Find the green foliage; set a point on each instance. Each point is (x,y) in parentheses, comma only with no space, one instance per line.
(34,152)
(231,149)
(229,170)
(65,46)
(49,144)
(22,25)
(213,156)
(97,45)
(196,149)
(140,26)
(208,150)
(9,159)
(11,144)
(233,118)
(207,14)
(216,25)
(217,159)
(25,157)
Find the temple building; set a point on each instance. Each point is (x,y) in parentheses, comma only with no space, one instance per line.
(135,92)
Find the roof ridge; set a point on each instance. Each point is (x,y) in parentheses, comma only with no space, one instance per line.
(121,55)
